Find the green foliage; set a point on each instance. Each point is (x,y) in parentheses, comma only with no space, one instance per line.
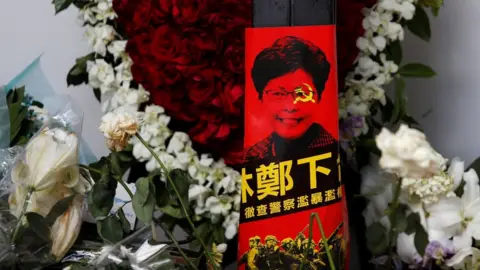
(100,198)
(61,5)
(400,106)
(144,200)
(394,52)
(59,209)
(110,229)
(78,73)
(419,25)
(39,225)
(21,126)
(416,70)
(377,238)
(421,237)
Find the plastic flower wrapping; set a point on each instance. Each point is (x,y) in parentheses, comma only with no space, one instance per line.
(42,190)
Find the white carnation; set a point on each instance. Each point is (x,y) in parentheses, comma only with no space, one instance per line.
(407,153)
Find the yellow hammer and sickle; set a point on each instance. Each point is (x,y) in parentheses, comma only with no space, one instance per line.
(303,97)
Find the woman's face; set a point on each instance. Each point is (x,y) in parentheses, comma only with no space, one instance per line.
(290,101)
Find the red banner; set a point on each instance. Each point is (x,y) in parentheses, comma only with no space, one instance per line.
(291,164)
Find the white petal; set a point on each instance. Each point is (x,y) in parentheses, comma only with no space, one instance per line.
(462,241)
(471,190)
(406,248)
(456,170)
(457,260)
(222,248)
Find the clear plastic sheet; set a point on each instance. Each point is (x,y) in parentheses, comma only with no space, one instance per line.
(33,181)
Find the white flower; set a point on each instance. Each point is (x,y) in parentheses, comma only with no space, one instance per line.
(465,259)
(231,225)
(430,190)
(406,249)
(407,153)
(87,15)
(458,217)
(178,142)
(220,205)
(123,71)
(117,128)
(65,229)
(126,98)
(117,48)
(104,10)
(371,43)
(48,153)
(101,75)
(404,8)
(99,36)
(367,67)
(377,186)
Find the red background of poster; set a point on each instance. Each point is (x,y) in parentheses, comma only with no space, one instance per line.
(257,127)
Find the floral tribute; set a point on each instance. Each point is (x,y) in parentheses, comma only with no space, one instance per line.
(169,77)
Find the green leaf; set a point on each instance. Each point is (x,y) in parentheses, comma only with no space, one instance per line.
(419,25)
(59,209)
(219,234)
(100,198)
(421,239)
(144,200)
(98,94)
(416,70)
(120,162)
(143,191)
(161,192)
(81,3)
(61,5)
(400,106)
(377,240)
(401,218)
(394,52)
(460,189)
(78,73)
(110,229)
(98,168)
(4,239)
(39,225)
(182,182)
(124,221)
(173,211)
(412,222)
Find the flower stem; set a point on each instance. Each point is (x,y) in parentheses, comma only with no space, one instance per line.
(26,202)
(182,205)
(124,185)
(314,216)
(393,221)
(176,243)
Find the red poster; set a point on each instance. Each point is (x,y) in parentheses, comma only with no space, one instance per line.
(291,164)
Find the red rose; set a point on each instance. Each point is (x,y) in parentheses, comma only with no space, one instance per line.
(189,54)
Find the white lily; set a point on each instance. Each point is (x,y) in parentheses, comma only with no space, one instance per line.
(467,258)
(458,217)
(406,249)
(47,154)
(377,186)
(65,230)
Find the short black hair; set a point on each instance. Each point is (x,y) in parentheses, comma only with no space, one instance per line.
(286,55)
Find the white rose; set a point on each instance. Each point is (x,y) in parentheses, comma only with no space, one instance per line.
(407,153)
(117,129)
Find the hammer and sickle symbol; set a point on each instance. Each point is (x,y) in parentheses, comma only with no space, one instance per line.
(301,96)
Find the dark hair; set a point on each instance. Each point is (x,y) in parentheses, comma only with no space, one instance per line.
(286,55)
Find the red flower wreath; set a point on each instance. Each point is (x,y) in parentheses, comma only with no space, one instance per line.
(189,54)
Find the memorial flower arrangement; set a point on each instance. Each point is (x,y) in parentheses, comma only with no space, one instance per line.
(169,77)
